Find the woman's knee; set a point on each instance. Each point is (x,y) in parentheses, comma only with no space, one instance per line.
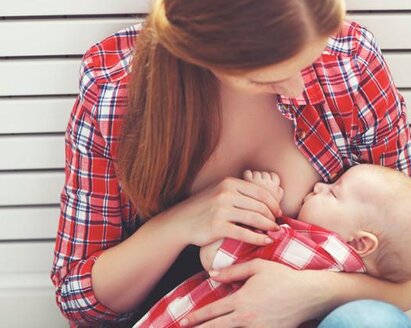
(366,313)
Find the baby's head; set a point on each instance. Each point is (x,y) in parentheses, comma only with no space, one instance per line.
(369,206)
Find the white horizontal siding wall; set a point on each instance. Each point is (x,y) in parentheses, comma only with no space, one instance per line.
(41,44)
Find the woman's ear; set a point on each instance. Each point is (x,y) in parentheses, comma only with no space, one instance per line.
(364,243)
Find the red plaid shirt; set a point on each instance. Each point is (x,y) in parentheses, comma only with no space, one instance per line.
(297,244)
(350,112)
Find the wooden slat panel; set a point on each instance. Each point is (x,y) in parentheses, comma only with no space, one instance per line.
(26,257)
(407,96)
(39,77)
(22,282)
(25,280)
(79,7)
(40,114)
(72,7)
(30,308)
(397,36)
(29,223)
(32,152)
(378,4)
(58,37)
(30,188)
(400,66)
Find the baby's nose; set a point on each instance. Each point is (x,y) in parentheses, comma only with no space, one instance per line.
(319,187)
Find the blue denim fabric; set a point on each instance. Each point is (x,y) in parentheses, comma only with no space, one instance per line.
(366,313)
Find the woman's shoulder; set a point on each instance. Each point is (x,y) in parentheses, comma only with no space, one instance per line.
(350,40)
(109,59)
(104,73)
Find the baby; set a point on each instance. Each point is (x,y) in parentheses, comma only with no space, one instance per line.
(369,206)
(360,223)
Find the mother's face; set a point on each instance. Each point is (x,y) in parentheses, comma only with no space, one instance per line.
(282,78)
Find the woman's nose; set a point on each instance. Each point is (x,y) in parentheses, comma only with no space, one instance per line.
(294,86)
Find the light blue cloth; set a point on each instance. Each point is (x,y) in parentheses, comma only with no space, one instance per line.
(367,314)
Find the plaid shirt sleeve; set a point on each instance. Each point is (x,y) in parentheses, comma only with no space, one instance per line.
(91,211)
(383,135)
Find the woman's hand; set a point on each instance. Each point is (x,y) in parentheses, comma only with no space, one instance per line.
(273,296)
(215,213)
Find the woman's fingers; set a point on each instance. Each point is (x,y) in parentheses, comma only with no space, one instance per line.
(249,203)
(208,312)
(253,219)
(225,321)
(247,235)
(237,272)
(260,194)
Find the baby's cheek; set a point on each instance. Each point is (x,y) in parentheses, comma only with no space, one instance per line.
(305,214)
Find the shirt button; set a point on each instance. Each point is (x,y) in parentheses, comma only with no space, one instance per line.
(301,134)
(282,107)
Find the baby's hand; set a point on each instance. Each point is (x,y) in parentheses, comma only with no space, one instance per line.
(208,253)
(268,180)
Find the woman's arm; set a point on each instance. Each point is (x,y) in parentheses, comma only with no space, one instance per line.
(264,301)
(124,275)
(347,287)
(97,276)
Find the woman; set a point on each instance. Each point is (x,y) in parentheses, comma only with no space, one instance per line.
(168,117)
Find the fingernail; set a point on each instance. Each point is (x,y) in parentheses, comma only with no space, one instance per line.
(213,273)
(268,240)
(184,322)
(280,213)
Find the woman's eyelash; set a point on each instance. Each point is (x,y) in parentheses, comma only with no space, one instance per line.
(259,83)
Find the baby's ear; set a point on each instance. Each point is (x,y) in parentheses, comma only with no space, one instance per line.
(364,243)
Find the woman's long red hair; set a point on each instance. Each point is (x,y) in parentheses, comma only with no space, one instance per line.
(174,116)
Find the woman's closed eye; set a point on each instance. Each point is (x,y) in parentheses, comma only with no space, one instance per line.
(263,83)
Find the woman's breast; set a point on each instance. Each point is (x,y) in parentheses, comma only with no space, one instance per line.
(267,149)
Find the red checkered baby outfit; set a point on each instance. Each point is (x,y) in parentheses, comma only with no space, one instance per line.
(297,244)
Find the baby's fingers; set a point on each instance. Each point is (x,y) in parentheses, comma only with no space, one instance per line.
(260,194)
